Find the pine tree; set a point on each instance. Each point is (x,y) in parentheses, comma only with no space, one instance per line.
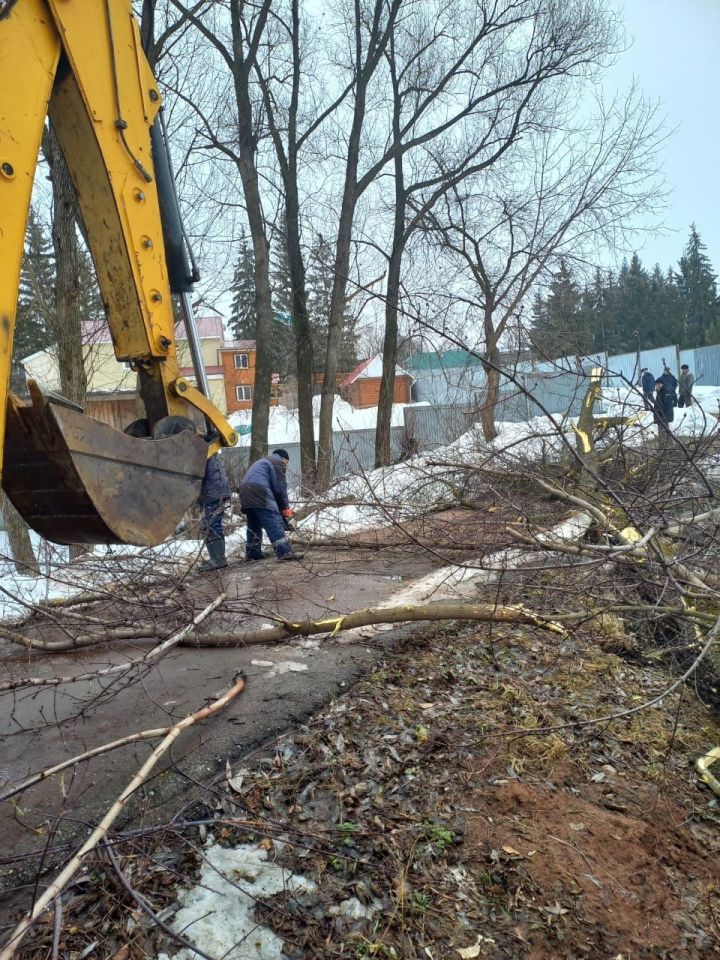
(633,298)
(557,319)
(36,302)
(243,322)
(698,292)
(283,335)
(665,312)
(319,287)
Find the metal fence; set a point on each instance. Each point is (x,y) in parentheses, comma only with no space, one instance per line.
(353,451)
(707,365)
(534,394)
(547,388)
(625,367)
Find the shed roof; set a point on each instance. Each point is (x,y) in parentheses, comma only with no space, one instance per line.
(370,369)
(442,360)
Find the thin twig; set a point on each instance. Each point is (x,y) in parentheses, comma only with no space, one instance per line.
(145,906)
(101,830)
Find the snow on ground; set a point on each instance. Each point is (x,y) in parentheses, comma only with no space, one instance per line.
(284,426)
(389,494)
(100,567)
(435,478)
(218,914)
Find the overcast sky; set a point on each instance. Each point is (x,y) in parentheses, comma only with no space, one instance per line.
(674,57)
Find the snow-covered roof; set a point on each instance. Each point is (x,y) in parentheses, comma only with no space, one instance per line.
(97,331)
(238,345)
(370,369)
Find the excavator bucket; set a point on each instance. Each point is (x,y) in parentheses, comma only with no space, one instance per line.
(77,480)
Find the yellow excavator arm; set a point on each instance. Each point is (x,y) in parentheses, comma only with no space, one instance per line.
(81,63)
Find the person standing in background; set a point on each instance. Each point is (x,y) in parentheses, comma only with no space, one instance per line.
(686,383)
(647,382)
(663,407)
(670,382)
(215,491)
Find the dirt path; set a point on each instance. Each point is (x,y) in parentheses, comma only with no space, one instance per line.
(285,684)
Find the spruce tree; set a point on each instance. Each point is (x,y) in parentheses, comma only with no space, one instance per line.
(319,287)
(36,303)
(283,335)
(633,299)
(557,319)
(243,321)
(698,293)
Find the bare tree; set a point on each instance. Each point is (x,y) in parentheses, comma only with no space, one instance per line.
(501,77)
(239,52)
(371,32)
(282,101)
(567,191)
(67,319)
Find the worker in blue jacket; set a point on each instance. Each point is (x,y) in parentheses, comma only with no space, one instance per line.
(215,490)
(264,500)
(647,382)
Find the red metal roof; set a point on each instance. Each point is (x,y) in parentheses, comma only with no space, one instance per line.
(354,374)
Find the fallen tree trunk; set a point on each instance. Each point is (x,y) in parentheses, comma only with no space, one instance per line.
(487,612)
(101,830)
(152,656)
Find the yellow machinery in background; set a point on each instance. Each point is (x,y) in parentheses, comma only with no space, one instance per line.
(74,479)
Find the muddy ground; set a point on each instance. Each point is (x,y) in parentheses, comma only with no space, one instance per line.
(284,685)
(435,811)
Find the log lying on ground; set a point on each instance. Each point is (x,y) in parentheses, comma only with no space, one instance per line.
(285,629)
(101,830)
(152,656)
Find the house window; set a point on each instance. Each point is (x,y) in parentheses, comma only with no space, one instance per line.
(242,361)
(243,393)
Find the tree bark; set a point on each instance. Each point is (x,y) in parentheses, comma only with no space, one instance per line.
(383,455)
(303,340)
(18,536)
(67,321)
(247,149)
(491,363)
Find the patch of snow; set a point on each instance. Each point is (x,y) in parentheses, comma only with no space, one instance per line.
(101,566)
(284,425)
(460,581)
(352,909)
(218,914)
(286,666)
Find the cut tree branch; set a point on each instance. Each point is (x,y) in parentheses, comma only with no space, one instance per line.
(101,830)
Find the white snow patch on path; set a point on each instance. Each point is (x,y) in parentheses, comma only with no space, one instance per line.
(218,915)
(459,581)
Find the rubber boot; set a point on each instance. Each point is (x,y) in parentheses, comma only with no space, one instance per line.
(216,550)
(293,555)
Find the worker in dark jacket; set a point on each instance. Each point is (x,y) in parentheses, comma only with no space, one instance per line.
(647,382)
(663,407)
(264,500)
(671,385)
(215,490)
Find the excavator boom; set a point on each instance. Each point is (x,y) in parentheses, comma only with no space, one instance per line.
(74,479)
